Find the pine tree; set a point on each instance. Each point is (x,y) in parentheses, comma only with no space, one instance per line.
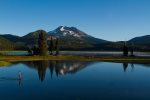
(42,42)
(125,49)
(29,51)
(57,47)
(132,49)
(51,46)
(35,50)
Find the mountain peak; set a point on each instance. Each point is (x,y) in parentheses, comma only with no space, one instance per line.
(68,31)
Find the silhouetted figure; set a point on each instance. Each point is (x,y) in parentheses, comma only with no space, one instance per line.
(125,66)
(20,76)
(20,83)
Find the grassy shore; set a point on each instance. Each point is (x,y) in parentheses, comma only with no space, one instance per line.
(12,58)
(4,63)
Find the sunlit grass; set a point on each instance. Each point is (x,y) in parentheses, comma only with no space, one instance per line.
(4,63)
(76,58)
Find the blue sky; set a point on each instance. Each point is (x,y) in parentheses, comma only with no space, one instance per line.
(107,19)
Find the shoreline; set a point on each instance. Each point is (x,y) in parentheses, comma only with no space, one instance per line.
(15,58)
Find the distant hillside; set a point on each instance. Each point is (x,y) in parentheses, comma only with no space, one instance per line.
(6,44)
(31,38)
(71,38)
(12,38)
(141,42)
(144,40)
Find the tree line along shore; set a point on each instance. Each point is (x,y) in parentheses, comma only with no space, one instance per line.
(45,51)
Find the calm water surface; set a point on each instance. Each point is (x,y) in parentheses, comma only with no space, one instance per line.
(75,80)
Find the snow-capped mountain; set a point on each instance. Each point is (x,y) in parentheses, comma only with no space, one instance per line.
(72,37)
(68,31)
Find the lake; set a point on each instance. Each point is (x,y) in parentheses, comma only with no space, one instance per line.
(75,80)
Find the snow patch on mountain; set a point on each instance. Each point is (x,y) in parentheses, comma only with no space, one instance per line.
(68,31)
(62,29)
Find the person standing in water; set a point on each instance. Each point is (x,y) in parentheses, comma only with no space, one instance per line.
(20,75)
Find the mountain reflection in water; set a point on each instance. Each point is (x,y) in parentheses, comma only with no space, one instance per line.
(81,80)
(60,67)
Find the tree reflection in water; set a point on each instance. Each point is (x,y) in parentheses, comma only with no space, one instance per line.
(125,66)
(60,67)
(40,66)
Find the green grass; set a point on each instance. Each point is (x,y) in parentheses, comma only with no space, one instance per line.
(12,58)
(12,51)
(4,63)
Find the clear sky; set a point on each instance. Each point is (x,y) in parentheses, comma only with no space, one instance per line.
(107,19)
